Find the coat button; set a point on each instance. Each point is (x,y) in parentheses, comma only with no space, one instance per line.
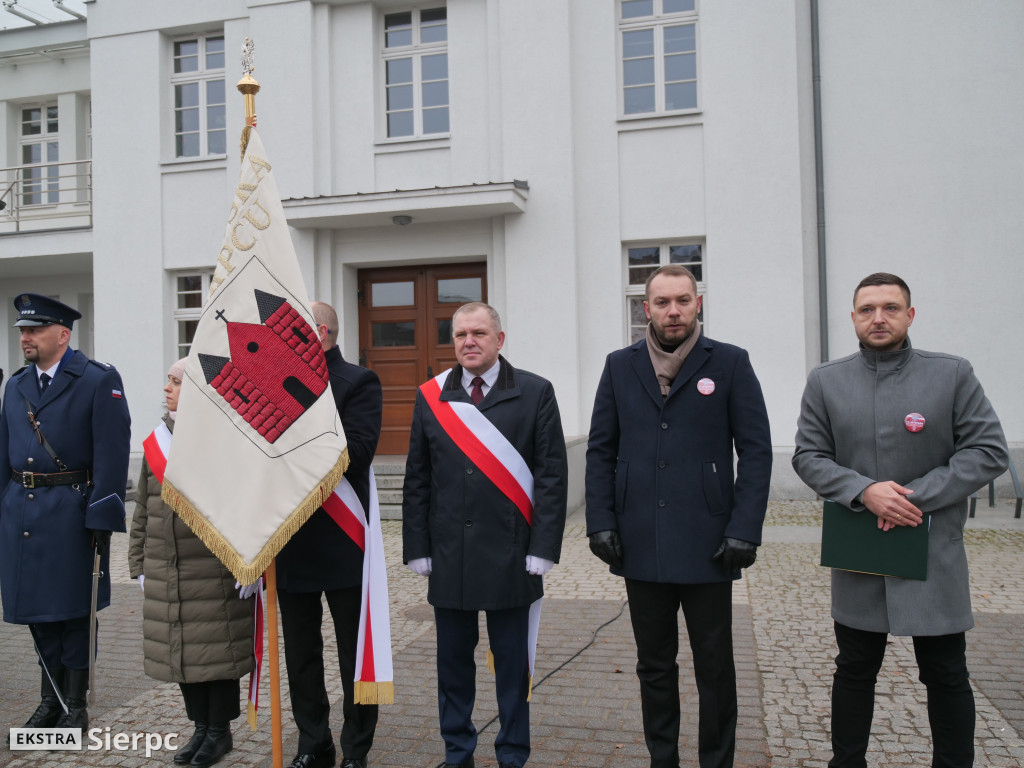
(31,496)
(661,465)
(664,425)
(661,503)
(25,534)
(469,523)
(31,460)
(469,470)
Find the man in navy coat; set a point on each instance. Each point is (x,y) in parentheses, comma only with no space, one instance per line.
(65,436)
(665,510)
(482,550)
(321,559)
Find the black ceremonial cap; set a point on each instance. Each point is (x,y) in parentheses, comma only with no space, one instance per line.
(34,310)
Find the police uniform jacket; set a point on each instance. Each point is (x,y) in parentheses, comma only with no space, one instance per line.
(852,432)
(477,538)
(194,627)
(660,470)
(45,544)
(321,556)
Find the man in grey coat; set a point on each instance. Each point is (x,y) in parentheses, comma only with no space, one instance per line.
(907,436)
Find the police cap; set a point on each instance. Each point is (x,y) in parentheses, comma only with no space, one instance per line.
(35,310)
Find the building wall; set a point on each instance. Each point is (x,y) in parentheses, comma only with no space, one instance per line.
(923,177)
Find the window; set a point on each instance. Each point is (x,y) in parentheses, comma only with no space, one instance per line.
(39,146)
(415,57)
(191,290)
(198,81)
(641,261)
(659,55)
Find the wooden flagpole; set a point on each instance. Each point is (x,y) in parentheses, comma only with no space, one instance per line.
(248,87)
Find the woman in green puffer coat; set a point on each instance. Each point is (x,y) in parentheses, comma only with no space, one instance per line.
(196,630)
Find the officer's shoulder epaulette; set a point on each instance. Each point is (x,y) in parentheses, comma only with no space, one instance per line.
(101,364)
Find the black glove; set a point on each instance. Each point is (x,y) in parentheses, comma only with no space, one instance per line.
(608,546)
(736,554)
(101,540)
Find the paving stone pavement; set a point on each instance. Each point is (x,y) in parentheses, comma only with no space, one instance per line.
(585,710)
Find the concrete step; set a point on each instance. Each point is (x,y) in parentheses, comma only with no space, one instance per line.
(390,511)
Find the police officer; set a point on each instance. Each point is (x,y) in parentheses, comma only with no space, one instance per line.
(64,443)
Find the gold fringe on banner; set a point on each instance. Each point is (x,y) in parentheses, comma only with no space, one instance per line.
(244,141)
(369,692)
(247,573)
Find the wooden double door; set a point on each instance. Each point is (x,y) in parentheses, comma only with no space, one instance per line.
(405,333)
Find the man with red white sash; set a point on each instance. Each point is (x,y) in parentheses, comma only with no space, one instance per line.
(483,517)
(324,558)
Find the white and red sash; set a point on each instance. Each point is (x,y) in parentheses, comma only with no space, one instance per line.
(488,449)
(374,677)
(156,448)
(493,454)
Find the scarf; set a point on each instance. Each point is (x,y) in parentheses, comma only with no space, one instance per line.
(667,364)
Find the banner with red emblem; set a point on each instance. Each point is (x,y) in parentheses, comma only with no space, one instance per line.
(258,443)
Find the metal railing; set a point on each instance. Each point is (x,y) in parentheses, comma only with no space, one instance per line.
(992,493)
(46,196)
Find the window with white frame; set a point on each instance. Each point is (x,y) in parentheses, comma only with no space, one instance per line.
(191,289)
(415,56)
(641,261)
(40,183)
(659,56)
(199,99)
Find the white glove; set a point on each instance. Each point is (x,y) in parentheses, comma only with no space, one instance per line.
(538,566)
(421,566)
(142,582)
(248,590)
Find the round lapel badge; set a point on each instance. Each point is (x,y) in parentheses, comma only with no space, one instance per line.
(914,422)
(705,386)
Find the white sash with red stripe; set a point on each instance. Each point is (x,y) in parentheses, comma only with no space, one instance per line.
(493,454)
(374,678)
(156,448)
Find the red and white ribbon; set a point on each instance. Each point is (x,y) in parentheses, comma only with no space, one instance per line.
(374,675)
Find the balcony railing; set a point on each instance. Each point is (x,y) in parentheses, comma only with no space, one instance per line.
(46,196)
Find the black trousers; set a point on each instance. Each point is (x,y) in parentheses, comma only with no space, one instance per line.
(64,643)
(214,702)
(301,620)
(707,609)
(942,661)
(508,634)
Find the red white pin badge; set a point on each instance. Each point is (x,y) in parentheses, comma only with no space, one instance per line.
(914,422)
(705,386)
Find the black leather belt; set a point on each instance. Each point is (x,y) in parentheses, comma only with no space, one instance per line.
(41,479)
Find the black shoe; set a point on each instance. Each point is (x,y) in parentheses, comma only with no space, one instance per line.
(352,762)
(185,754)
(216,744)
(76,688)
(467,763)
(507,765)
(324,759)
(49,710)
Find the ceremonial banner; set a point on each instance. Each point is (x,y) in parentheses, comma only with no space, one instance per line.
(258,442)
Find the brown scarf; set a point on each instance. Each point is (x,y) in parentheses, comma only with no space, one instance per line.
(667,364)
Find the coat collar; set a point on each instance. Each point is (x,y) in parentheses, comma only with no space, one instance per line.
(505,386)
(71,367)
(886,361)
(644,368)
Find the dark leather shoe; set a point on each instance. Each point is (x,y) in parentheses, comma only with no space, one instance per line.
(352,762)
(467,763)
(507,765)
(184,755)
(324,759)
(216,744)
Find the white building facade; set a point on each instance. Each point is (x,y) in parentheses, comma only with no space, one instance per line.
(542,155)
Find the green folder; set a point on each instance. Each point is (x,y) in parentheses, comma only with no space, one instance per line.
(852,541)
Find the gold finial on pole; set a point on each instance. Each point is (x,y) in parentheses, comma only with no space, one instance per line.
(248,87)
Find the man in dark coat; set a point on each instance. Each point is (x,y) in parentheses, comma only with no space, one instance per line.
(484,537)
(665,510)
(321,559)
(65,436)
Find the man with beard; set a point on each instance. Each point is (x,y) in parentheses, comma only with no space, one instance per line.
(666,512)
